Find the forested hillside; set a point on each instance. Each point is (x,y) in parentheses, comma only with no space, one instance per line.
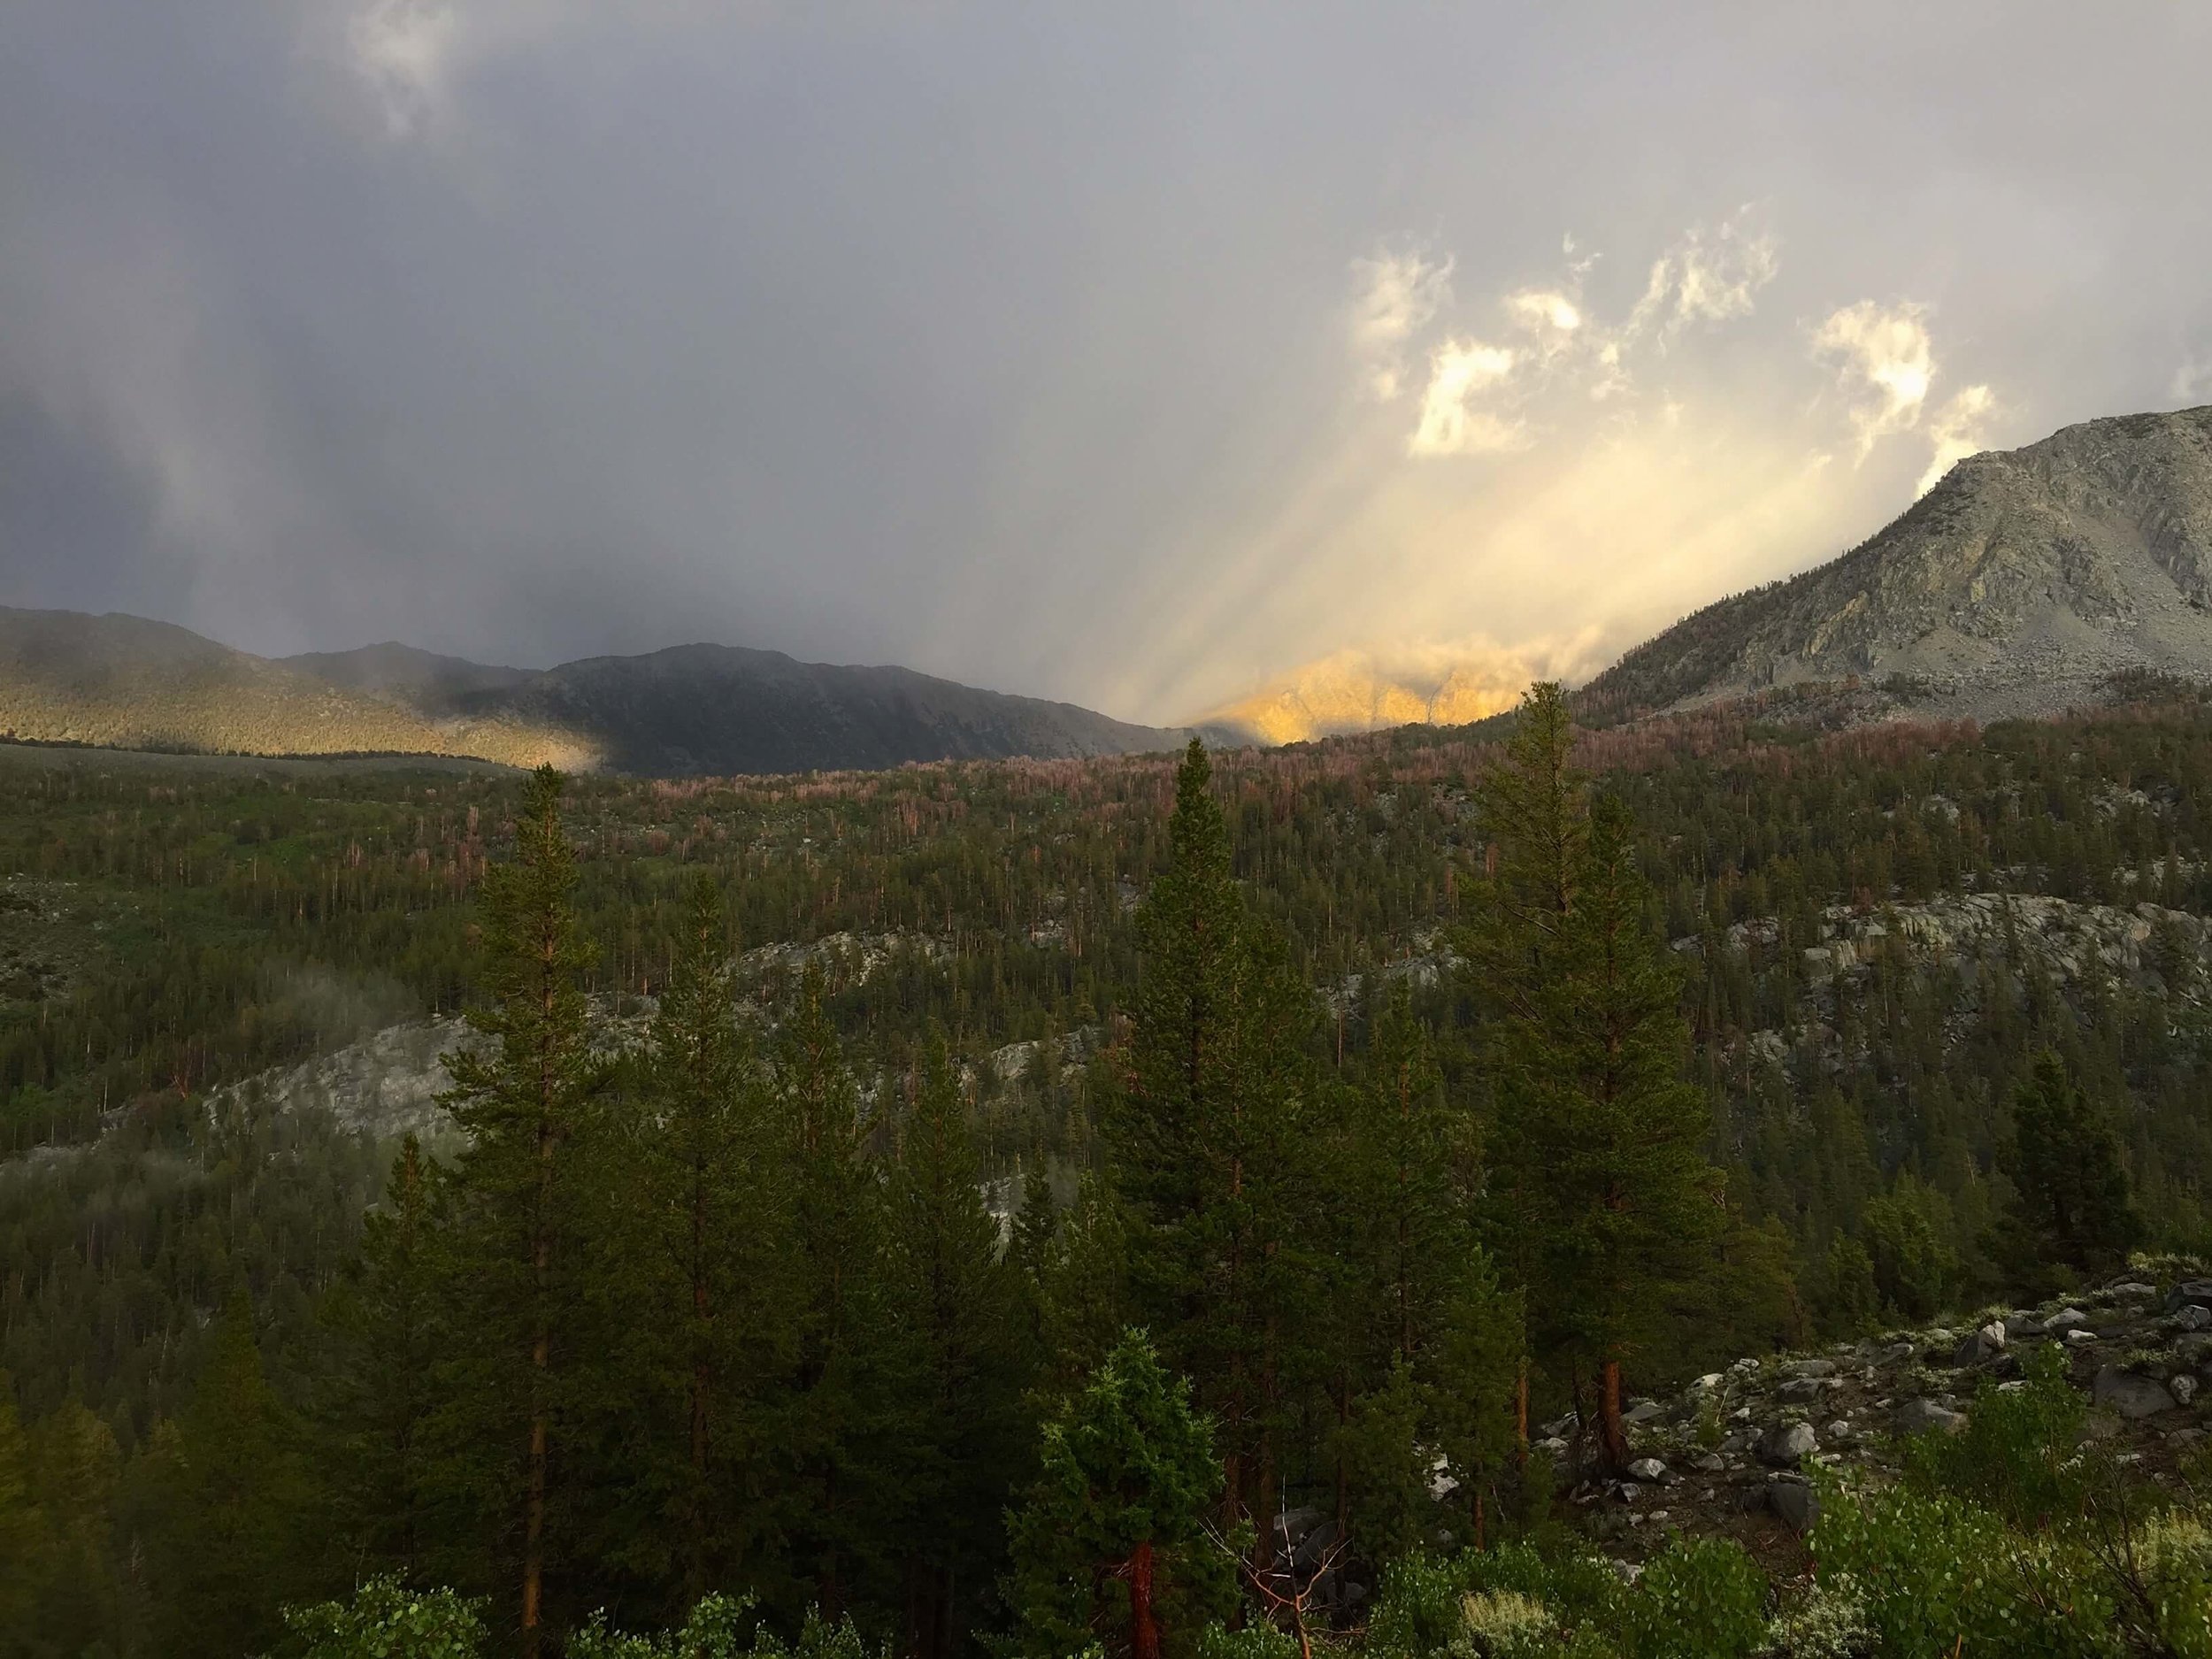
(777,1228)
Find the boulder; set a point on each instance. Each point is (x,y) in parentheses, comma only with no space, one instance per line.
(1647,1469)
(1978,1346)
(1800,1389)
(1813,1367)
(2064,1320)
(1793,1498)
(2194,1316)
(2184,1388)
(2130,1394)
(1787,1443)
(2079,1338)
(2021,1325)
(1919,1416)
(1643,1412)
(1708,1462)
(2191,1293)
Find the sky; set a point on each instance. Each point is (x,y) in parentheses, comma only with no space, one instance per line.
(1125,354)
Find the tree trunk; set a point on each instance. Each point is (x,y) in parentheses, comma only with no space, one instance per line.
(1144,1630)
(1611,1435)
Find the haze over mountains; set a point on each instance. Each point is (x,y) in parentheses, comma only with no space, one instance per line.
(2019,585)
(120,682)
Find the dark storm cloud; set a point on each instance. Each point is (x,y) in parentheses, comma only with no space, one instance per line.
(1024,344)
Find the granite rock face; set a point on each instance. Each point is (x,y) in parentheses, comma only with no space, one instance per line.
(2020,584)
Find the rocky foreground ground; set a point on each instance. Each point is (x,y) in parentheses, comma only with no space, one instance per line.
(1729,1453)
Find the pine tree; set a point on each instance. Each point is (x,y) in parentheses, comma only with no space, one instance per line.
(22,1528)
(1111,1544)
(691,1270)
(515,1257)
(392,1327)
(833,1414)
(962,1307)
(1431,1357)
(1213,1146)
(1082,1287)
(1600,1144)
(75,1470)
(234,1501)
(2070,1211)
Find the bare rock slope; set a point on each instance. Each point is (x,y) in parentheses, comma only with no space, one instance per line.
(2020,584)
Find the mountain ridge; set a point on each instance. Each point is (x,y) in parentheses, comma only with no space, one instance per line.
(116,680)
(2024,580)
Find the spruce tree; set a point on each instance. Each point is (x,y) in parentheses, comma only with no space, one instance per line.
(1214,1145)
(22,1528)
(392,1332)
(1434,1341)
(832,1414)
(1599,1148)
(692,1275)
(2071,1212)
(515,1257)
(962,1307)
(234,1505)
(1111,1549)
(76,1476)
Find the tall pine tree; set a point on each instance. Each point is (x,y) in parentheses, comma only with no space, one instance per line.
(963,1310)
(692,1272)
(1215,1145)
(515,1257)
(1600,1144)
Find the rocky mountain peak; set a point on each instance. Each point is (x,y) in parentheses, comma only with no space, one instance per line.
(2023,581)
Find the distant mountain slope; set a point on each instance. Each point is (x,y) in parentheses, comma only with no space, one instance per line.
(2020,583)
(125,682)
(121,681)
(1358,691)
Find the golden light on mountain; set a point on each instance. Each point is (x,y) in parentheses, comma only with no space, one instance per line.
(1366,691)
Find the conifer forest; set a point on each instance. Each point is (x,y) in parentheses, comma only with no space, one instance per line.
(1709,1184)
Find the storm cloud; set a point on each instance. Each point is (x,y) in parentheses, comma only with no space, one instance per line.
(1135,356)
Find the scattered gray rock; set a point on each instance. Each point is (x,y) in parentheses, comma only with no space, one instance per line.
(1800,1389)
(2064,1320)
(2184,1388)
(1980,1346)
(2194,1316)
(2020,1326)
(1812,1368)
(1647,1469)
(1919,1416)
(1793,1498)
(2129,1395)
(2191,1293)
(1787,1443)
(2079,1338)
(1710,1463)
(1643,1412)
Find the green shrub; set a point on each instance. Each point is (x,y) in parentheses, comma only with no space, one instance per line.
(1700,1598)
(1947,1579)
(1259,1640)
(386,1620)
(713,1630)
(1828,1621)
(2015,1455)
(1506,1624)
